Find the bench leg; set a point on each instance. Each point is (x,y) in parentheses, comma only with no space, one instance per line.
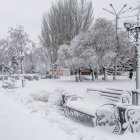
(128,120)
(120,128)
(133,119)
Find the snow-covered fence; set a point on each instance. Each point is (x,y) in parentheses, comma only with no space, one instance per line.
(10,83)
(4,77)
(32,77)
(29,77)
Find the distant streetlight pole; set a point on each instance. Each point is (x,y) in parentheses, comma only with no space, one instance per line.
(22,68)
(117,38)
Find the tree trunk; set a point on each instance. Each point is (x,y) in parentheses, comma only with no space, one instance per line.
(92,75)
(76,76)
(79,74)
(105,74)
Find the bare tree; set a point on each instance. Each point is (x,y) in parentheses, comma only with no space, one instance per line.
(66,19)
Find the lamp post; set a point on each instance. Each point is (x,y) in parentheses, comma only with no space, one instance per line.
(134,29)
(117,15)
(22,68)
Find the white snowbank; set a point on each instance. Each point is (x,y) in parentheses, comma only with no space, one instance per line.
(45,119)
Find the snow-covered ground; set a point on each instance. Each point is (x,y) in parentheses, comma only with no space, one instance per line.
(32,112)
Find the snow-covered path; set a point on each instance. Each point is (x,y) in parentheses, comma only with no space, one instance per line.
(17,123)
(29,118)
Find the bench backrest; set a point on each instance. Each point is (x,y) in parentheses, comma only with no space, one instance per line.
(112,95)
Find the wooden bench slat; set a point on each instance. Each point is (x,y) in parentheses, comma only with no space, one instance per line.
(105,95)
(115,100)
(108,92)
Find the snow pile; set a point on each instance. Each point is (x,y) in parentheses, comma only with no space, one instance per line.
(17,123)
(41,101)
(55,97)
(88,137)
(41,95)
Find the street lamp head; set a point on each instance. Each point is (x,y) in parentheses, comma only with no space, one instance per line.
(125,5)
(137,29)
(111,5)
(129,24)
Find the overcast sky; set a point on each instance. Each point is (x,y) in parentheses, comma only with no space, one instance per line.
(28,13)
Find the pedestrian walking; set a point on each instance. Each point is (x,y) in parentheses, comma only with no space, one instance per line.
(130,75)
(96,74)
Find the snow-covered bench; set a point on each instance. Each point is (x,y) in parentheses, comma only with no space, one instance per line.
(102,107)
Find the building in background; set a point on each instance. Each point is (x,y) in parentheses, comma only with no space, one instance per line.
(60,72)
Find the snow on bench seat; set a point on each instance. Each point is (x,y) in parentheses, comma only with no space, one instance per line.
(103,107)
(85,107)
(89,103)
(95,101)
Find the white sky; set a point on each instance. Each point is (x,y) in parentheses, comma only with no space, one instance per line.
(28,13)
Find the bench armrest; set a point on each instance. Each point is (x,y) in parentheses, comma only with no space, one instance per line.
(70,97)
(74,98)
(126,98)
(105,115)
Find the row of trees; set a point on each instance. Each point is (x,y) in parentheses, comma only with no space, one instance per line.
(69,39)
(17,46)
(96,49)
(73,41)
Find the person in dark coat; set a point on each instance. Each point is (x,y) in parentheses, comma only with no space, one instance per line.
(130,75)
(96,74)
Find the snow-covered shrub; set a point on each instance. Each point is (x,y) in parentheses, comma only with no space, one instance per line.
(6,77)
(37,77)
(1,78)
(86,137)
(15,77)
(29,77)
(11,83)
(55,98)
(55,102)
(42,96)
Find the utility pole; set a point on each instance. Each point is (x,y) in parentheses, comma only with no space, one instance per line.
(137,56)
(22,68)
(117,15)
